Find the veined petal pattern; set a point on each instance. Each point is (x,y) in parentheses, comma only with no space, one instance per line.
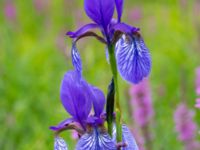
(133,58)
(127,138)
(96,140)
(76,59)
(60,144)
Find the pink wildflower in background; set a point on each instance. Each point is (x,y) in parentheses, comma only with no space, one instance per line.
(197,103)
(41,5)
(61,44)
(79,19)
(10,10)
(141,103)
(135,14)
(186,127)
(140,139)
(198,87)
(142,112)
(183,3)
(198,81)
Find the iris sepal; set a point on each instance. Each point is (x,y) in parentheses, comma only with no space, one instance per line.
(128,141)
(133,58)
(60,144)
(96,138)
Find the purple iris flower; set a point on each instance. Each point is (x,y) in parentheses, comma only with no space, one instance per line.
(132,55)
(78,97)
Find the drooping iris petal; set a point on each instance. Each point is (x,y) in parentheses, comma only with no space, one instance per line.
(74,96)
(60,144)
(100,11)
(98,99)
(125,28)
(127,138)
(133,58)
(62,124)
(76,59)
(96,140)
(119,5)
(82,30)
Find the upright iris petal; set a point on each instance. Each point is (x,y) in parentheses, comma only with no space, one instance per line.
(119,5)
(75,97)
(96,140)
(98,100)
(133,58)
(60,144)
(96,95)
(100,11)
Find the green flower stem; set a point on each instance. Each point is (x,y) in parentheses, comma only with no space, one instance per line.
(113,64)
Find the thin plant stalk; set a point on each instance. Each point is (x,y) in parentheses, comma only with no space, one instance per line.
(113,64)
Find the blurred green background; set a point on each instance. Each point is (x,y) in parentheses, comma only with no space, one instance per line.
(35,54)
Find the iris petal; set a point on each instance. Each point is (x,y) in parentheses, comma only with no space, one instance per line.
(98,100)
(125,28)
(62,124)
(60,144)
(96,140)
(119,5)
(127,138)
(100,11)
(76,59)
(82,30)
(133,58)
(96,94)
(74,96)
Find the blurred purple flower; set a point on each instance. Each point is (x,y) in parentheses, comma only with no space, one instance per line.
(61,44)
(132,55)
(198,81)
(183,3)
(40,5)
(142,112)
(10,10)
(197,8)
(135,14)
(79,20)
(197,103)
(185,126)
(140,139)
(141,103)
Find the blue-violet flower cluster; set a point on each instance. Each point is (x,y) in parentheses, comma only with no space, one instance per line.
(85,103)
